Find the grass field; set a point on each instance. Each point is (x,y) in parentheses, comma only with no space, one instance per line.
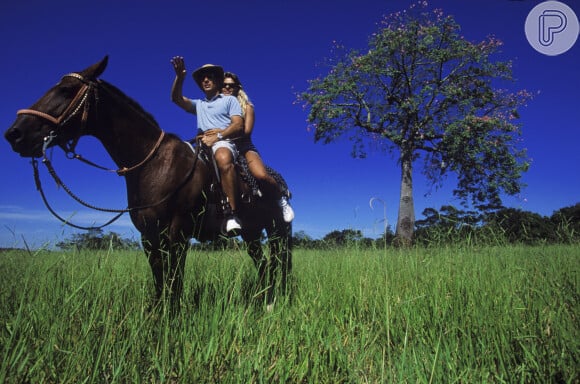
(466,315)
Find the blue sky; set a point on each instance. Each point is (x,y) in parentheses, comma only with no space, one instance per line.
(275,47)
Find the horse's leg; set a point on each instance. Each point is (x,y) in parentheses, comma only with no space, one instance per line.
(273,262)
(260,262)
(285,252)
(280,243)
(151,245)
(166,256)
(177,256)
(257,254)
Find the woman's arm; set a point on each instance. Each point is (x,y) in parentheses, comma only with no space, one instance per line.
(249,118)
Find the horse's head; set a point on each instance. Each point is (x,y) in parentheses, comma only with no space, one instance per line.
(58,117)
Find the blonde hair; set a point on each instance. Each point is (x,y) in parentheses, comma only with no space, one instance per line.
(244,100)
(243,97)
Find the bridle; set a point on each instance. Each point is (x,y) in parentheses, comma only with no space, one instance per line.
(80,100)
(64,117)
(71,110)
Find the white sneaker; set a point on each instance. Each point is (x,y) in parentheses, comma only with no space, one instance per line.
(233,224)
(287,211)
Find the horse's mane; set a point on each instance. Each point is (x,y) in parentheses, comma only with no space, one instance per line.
(122,97)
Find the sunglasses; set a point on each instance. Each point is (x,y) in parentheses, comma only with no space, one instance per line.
(230,86)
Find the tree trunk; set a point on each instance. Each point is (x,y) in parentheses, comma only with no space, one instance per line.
(406,217)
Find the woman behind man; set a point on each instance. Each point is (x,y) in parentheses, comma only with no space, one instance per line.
(232,86)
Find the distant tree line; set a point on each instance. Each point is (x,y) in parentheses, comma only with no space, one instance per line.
(448,225)
(505,225)
(97,240)
(342,238)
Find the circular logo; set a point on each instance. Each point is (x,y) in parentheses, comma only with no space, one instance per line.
(552,28)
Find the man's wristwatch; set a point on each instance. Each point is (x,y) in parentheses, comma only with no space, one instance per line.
(220,136)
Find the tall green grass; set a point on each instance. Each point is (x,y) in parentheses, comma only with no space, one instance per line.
(488,314)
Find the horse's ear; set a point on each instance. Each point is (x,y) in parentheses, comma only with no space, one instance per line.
(95,70)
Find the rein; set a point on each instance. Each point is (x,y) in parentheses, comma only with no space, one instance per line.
(71,110)
(119,212)
(51,210)
(123,170)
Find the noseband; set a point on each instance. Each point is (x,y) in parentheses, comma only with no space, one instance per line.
(70,111)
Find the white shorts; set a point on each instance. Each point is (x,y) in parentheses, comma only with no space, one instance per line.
(226,144)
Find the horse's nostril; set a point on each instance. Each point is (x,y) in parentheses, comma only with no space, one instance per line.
(12,135)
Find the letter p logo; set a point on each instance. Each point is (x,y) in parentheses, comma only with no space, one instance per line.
(552,28)
(551,22)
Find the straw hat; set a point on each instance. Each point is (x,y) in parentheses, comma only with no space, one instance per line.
(211,69)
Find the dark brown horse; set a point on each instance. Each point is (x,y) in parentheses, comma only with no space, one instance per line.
(167,184)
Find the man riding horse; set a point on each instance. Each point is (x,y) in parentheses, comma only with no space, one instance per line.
(219,117)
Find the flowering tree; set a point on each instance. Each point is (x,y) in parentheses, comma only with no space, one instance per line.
(426,94)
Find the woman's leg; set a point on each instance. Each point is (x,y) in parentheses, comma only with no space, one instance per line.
(269,184)
(265,180)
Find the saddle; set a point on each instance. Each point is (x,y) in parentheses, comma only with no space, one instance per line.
(249,188)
